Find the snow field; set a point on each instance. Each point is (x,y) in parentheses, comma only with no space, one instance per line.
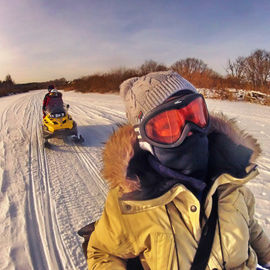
(47,195)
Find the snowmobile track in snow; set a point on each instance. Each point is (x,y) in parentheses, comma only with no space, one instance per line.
(69,201)
(56,194)
(43,244)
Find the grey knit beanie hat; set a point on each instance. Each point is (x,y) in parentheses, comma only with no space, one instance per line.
(142,94)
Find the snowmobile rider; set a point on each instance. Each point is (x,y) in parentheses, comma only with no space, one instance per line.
(52,98)
(177,176)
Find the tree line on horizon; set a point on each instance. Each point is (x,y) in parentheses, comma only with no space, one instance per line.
(247,73)
(8,86)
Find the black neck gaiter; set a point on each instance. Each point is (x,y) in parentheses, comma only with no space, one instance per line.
(190,158)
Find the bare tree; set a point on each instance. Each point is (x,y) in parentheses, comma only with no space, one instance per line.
(8,83)
(236,69)
(151,66)
(189,66)
(9,80)
(254,69)
(258,68)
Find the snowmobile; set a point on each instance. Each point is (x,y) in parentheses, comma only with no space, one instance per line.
(57,123)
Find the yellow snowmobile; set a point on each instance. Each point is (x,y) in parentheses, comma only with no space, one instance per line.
(57,123)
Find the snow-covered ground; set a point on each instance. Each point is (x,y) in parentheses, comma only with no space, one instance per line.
(47,195)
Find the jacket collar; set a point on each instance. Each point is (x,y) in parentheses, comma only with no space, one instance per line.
(122,149)
(136,206)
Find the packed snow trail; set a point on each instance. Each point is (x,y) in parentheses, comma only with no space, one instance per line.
(48,194)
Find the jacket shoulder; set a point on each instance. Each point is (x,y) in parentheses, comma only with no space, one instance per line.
(247,194)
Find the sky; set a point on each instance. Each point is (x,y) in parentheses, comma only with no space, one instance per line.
(42,40)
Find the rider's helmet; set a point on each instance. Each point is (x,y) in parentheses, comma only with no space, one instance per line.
(50,87)
(54,92)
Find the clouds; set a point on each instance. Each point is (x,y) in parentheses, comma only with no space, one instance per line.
(43,39)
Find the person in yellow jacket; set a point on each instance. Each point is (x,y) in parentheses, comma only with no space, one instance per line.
(163,168)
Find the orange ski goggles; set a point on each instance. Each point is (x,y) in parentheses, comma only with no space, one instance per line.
(170,123)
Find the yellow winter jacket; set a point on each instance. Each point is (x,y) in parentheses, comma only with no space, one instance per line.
(158,228)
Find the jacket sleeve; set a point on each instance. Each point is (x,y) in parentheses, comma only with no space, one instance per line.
(109,246)
(258,238)
(45,101)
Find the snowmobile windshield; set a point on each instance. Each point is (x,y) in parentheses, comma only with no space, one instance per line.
(56,111)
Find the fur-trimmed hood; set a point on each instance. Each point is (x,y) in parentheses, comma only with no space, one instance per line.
(123,145)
